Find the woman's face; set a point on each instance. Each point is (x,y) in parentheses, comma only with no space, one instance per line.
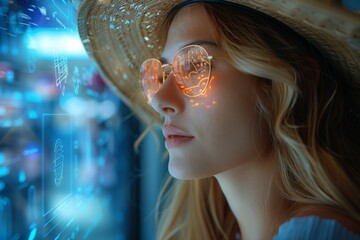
(214,132)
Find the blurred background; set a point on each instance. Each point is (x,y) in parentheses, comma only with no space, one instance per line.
(68,169)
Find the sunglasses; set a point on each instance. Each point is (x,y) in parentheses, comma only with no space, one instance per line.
(190,68)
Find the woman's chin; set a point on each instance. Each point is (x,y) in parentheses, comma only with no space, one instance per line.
(187,172)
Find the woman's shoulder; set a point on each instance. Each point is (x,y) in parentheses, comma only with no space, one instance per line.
(319,224)
(314,227)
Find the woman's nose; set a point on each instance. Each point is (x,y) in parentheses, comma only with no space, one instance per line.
(168,100)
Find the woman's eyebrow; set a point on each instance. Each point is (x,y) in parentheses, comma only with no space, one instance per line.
(201,43)
(197,42)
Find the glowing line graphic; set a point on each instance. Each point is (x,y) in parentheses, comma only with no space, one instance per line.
(61,69)
(58,162)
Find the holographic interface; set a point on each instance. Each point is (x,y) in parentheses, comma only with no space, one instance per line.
(65,139)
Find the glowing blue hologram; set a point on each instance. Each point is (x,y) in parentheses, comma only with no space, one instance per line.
(18,122)
(6,218)
(76,144)
(61,71)
(5,124)
(87,74)
(54,15)
(17,95)
(30,150)
(32,114)
(17,25)
(42,41)
(31,58)
(22,176)
(31,201)
(57,169)
(92,93)
(76,80)
(42,10)
(64,7)
(32,211)
(101,161)
(32,234)
(76,160)
(3,33)
(75,233)
(4,171)
(76,167)
(58,162)
(4,7)
(33,97)
(14,51)
(2,158)
(10,76)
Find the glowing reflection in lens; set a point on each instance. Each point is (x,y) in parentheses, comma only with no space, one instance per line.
(203,100)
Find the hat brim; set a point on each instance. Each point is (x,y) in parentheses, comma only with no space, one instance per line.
(120,35)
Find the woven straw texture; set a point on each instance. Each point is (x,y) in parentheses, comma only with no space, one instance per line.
(120,35)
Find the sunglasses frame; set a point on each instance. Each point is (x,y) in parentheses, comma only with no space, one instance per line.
(165,73)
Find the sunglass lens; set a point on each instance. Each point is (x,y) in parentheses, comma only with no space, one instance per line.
(192,70)
(151,77)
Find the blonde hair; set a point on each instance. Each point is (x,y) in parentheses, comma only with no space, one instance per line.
(311,120)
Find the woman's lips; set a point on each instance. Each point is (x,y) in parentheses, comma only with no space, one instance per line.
(175,137)
(177,141)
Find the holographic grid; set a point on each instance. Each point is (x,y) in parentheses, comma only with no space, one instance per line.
(66,153)
(57,159)
(61,71)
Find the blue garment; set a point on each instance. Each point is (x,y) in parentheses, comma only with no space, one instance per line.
(312,227)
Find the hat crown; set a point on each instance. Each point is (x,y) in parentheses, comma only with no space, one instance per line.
(120,34)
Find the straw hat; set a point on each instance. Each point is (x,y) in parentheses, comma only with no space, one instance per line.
(120,35)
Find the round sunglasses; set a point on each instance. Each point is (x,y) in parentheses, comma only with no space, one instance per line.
(190,68)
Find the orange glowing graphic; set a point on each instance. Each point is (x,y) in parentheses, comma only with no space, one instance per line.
(204,99)
(191,69)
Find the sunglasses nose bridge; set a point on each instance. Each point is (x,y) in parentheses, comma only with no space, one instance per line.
(167,70)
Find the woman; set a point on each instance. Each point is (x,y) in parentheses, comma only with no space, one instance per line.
(260,106)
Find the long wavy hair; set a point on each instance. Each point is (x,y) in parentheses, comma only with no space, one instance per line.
(311,108)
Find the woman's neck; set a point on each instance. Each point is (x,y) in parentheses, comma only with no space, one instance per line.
(255,202)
